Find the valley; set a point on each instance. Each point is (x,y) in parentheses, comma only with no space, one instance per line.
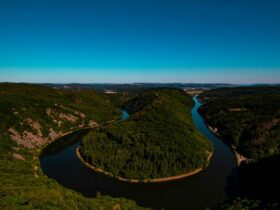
(153,139)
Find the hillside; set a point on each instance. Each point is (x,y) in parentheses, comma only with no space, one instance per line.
(158,140)
(35,114)
(31,117)
(248,118)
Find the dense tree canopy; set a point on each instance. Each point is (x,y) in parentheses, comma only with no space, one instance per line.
(247,118)
(23,184)
(158,140)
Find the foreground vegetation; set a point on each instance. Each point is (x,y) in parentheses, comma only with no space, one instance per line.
(158,140)
(31,117)
(247,118)
(21,189)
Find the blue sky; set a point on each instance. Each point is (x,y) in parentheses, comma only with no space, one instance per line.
(140,41)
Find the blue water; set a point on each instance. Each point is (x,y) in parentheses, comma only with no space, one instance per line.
(206,189)
(125,115)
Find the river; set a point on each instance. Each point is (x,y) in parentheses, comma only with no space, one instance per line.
(207,189)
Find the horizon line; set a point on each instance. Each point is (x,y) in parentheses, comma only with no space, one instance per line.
(136,83)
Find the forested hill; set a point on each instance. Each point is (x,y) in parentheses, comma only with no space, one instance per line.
(31,117)
(241,91)
(34,115)
(246,117)
(158,140)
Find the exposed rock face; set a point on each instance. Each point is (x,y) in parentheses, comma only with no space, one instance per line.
(18,138)
(27,139)
(92,123)
(18,156)
(49,112)
(34,137)
(80,114)
(53,135)
(36,140)
(33,115)
(35,125)
(58,116)
(67,117)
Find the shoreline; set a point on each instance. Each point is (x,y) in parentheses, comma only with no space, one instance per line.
(75,130)
(156,180)
(237,156)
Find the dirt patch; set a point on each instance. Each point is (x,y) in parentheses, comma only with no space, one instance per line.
(92,123)
(49,112)
(80,114)
(33,138)
(18,156)
(117,206)
(59,117)
(18,139)
(67,117)
(15,148)
(28,139)
(240,158)
(238,109)
(53,135)
(214,130)
(35,125)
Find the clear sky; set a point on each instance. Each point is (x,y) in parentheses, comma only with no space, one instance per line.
(232,41)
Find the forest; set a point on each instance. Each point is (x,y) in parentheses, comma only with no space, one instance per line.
(23,107)
(158,140)
(247,118)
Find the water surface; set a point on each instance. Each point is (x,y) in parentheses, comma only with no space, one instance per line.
(206,189)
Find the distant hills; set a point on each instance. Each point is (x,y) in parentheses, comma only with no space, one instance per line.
(137,86)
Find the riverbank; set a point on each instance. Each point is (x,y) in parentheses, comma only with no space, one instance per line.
(238,157)
(78,129)
(67,169)
(157,180)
